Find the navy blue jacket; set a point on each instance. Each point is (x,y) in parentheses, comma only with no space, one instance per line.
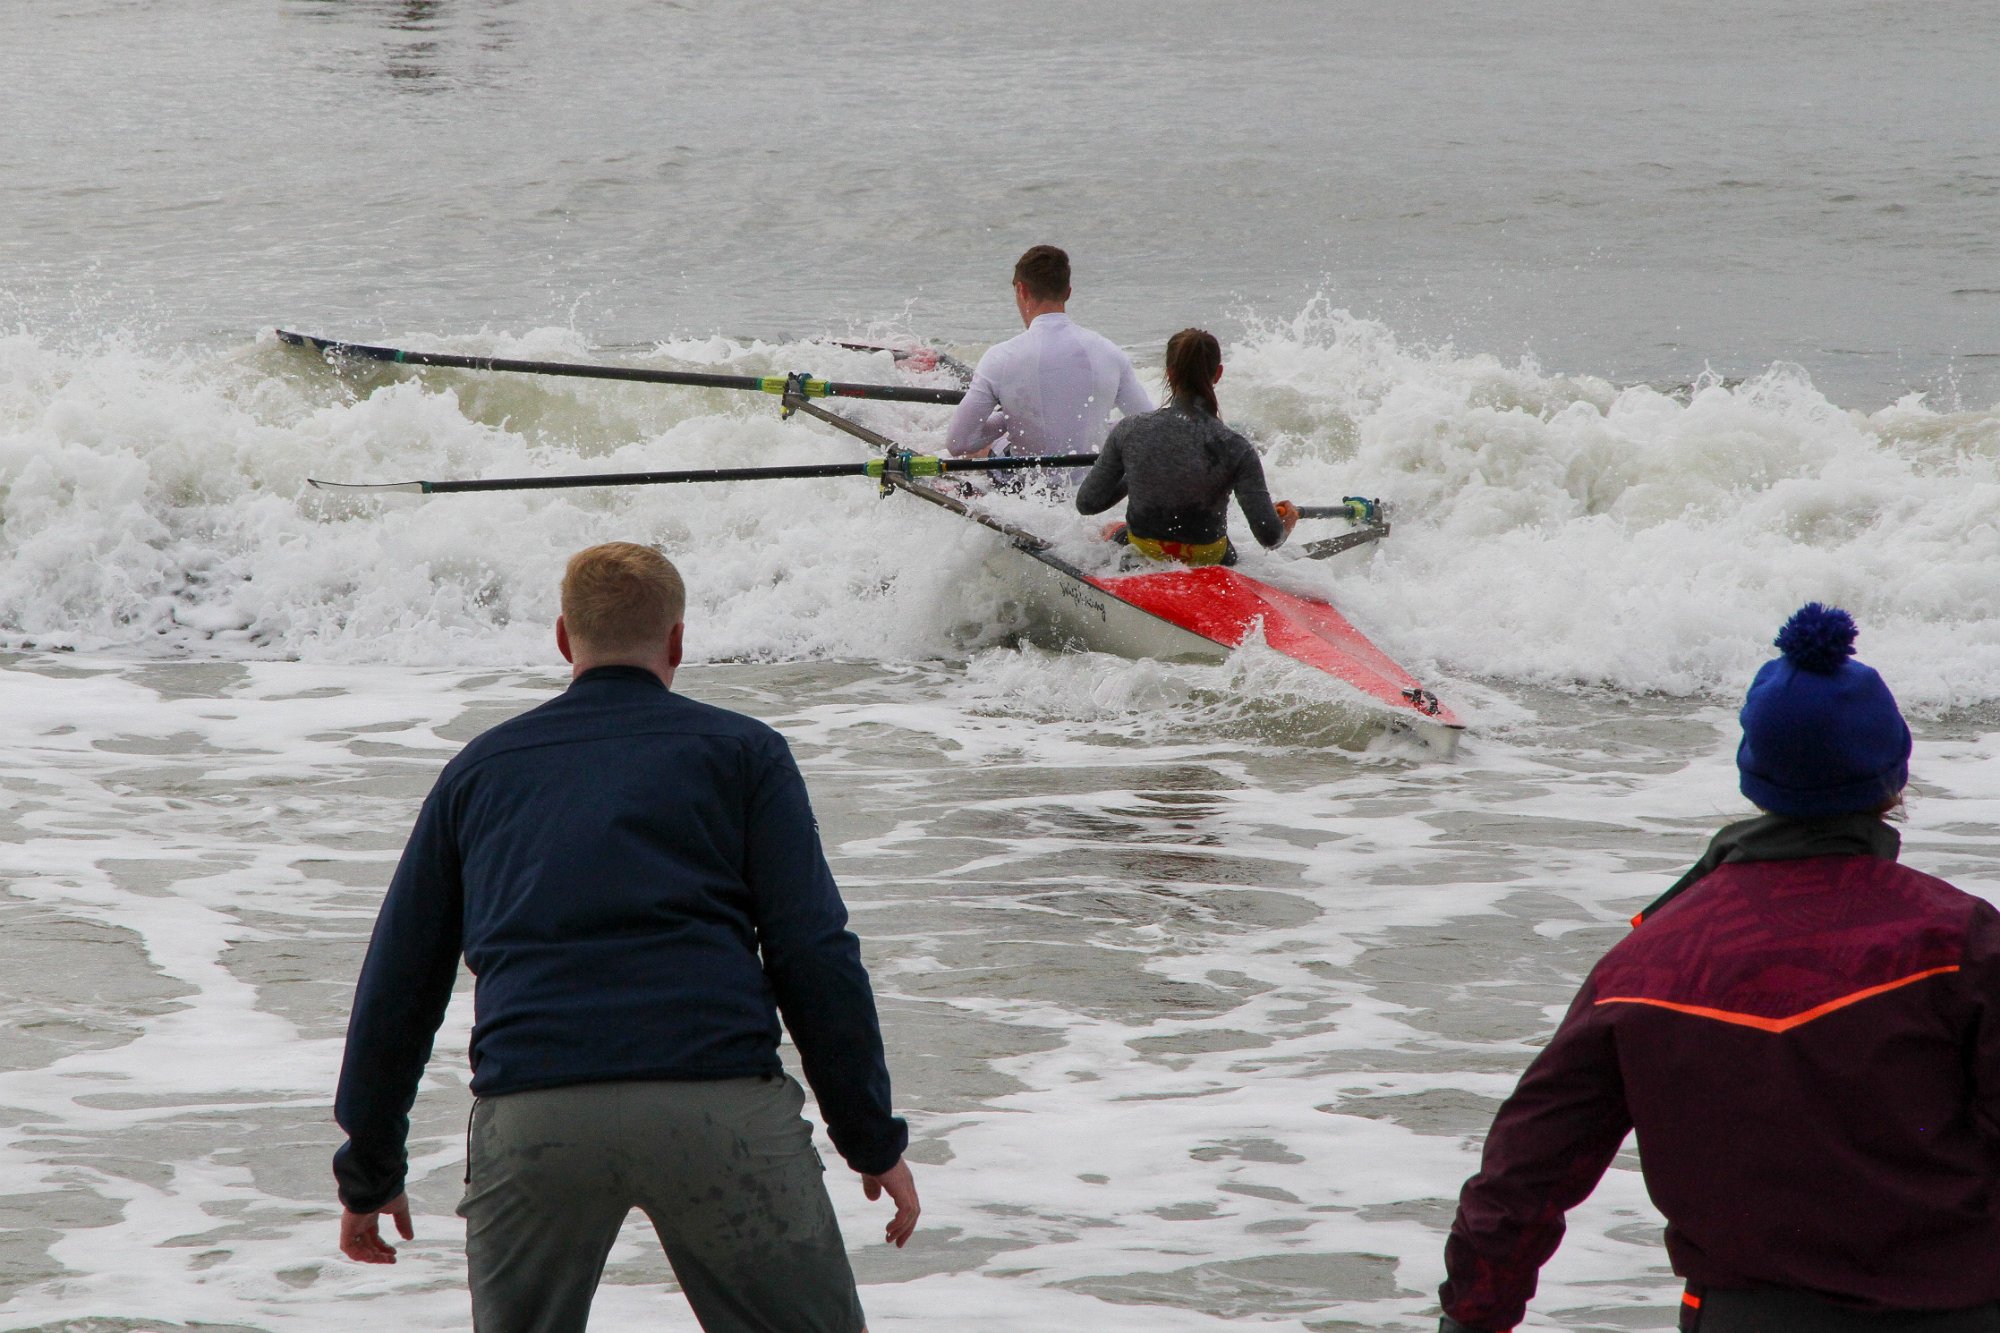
(636,883)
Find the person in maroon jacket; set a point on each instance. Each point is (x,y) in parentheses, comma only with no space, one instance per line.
(1806,1037)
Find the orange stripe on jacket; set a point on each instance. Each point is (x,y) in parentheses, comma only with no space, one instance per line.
(1777,1024)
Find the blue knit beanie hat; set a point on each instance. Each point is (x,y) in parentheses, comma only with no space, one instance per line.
(1821,732)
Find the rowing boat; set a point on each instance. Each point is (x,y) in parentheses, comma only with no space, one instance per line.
(1171,613)
(1203,614)
(1195,613)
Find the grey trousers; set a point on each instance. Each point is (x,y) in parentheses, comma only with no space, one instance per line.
(725,1170)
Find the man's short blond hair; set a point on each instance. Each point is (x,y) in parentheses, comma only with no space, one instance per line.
(621,597)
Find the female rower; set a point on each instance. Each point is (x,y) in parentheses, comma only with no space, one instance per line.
(1178,466)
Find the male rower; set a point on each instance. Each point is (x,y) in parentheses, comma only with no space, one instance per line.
(1051,389)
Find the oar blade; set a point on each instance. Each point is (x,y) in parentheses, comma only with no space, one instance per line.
(375,487)
(334,347)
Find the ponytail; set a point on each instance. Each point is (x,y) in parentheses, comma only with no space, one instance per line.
(1193,358)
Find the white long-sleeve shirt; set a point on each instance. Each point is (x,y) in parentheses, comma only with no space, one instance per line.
(1049,389)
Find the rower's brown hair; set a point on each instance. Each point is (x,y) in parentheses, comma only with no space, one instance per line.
(621,597)
(1044,271)
(1193,357)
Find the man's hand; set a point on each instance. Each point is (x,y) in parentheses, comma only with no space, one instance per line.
(902,1190)
(1288,514)
(361,1236)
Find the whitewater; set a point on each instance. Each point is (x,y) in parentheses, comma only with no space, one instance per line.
(160,503)
(1198,995)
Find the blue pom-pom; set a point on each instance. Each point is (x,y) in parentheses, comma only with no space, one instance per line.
(1818,638)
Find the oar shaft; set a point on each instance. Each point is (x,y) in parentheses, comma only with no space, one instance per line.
(775,384)
(899,464)
(1004,462)
(645,478)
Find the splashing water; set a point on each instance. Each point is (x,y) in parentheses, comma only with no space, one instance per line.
(1549,529)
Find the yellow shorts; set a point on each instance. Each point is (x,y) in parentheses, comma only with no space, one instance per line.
(1188,553)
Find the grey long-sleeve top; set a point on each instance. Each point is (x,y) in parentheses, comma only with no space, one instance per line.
(1178,466)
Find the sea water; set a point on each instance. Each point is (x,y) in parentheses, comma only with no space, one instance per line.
(1649,328)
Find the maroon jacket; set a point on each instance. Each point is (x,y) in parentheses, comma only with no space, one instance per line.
(1806,1036)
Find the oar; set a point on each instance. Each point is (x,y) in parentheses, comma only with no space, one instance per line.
(802,385)
(900,464)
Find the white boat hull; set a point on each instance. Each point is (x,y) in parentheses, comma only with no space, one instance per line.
(1069,610)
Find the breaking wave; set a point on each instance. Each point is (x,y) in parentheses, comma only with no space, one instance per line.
(1550,529)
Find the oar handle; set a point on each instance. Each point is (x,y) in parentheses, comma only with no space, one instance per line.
(1356,508)
(773,384)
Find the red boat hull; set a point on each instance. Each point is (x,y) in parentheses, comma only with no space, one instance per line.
(1228,608)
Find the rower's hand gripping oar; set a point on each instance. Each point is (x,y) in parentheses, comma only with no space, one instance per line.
(806,385)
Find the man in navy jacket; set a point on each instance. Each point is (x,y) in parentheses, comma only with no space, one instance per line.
(635,881)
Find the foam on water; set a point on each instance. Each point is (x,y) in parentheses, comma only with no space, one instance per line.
(1559,529)
(1549,529)
(1194,1029)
